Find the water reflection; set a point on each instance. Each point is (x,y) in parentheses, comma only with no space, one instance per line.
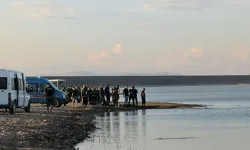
(118,129)
(107,128)
(143,122)
(116,119)
(151,129)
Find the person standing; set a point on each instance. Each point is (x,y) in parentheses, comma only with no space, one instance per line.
(130,96)
(75,95)
(70,93)
(84,95)
(143,97)
(118,92)
(49,95)
(102,95)
(115,95)
(90,95)
(134,95)
(125,94)
(107,94)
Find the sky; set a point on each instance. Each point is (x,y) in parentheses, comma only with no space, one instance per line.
(189,37)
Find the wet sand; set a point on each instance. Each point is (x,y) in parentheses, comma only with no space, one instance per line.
(149,105)
(63,129)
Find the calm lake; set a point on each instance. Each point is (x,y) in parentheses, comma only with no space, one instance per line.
(225,125)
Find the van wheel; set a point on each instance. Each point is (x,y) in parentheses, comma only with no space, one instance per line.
(12,108)
(27,109)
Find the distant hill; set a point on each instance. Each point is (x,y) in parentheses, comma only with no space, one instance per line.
(87,73)
(154,80)
(76,73)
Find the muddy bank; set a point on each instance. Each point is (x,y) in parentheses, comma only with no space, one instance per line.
(149,105)
(62,130)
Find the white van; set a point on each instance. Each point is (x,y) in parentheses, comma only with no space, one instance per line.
(13,91)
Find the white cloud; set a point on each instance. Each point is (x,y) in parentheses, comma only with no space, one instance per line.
(241,54)
(98,56)
(43,9)
(196,52)
(117,49)
(188,4)
(149,24)
(178,58)
(148,7)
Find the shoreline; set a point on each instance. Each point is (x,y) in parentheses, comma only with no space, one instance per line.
(63,129)
(149,105)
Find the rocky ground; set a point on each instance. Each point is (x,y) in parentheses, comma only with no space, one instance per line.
(36,130)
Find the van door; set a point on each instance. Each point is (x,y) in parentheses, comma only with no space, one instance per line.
(3,91)
(20,90)
(16,89)
(24,89)
(42,90)
(34,92)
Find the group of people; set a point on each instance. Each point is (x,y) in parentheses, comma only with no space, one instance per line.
(94,95)
(103,95)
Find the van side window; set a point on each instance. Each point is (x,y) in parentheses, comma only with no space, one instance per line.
(14,83)
(33,86)
(3,83)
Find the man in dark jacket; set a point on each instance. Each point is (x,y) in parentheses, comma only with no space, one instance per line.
(90,95)
(107,94)
(133,96)
(49,95)
(102,95)
(84,95)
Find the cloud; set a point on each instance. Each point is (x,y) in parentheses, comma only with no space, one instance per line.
(241,54)
(117,49)
(196,52)
(187,4)
(149,24)
(98,56)
(148,7)
(177,58)
(43,9)
(2,14)
(104,55)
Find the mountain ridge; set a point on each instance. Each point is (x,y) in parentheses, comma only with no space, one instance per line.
(89,73)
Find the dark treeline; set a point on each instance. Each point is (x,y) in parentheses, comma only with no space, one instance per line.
(153,80)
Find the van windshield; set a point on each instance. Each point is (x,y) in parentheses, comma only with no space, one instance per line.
(61,85)
(3,83)
(53,86)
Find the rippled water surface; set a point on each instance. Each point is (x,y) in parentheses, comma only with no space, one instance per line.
(224,126)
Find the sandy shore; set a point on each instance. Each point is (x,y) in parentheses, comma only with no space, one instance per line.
(63,129)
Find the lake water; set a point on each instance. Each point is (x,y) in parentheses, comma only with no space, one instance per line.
(225,125)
